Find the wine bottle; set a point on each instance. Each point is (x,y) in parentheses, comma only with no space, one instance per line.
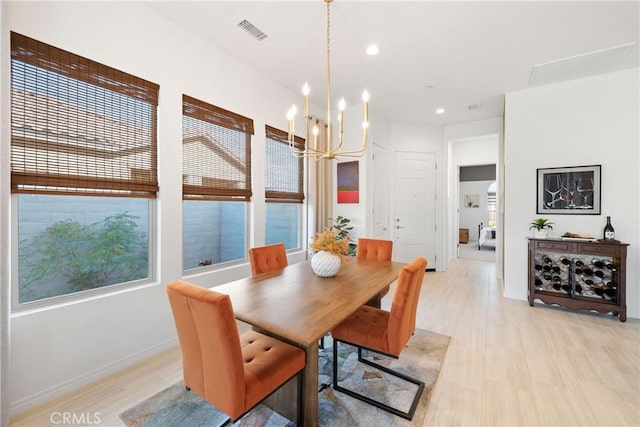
(609,234)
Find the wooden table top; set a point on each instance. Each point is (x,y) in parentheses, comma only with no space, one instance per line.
(295,304)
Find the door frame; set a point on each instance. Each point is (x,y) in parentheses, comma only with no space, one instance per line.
(381,162)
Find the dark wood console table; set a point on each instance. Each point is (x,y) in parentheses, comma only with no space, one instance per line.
(579,274)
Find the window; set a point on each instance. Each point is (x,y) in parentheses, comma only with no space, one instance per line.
(284,193)
(491,204)
(83,166)
(216,187)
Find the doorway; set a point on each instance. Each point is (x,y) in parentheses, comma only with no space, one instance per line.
(477,210)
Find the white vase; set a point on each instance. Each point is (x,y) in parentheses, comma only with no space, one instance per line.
(540,234)
(325,264)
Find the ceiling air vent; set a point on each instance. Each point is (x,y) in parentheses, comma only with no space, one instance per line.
(576,66)
(252,29)
(472,107)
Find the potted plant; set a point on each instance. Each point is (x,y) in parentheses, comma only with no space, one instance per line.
(329,248)
(343,228)
(540,227)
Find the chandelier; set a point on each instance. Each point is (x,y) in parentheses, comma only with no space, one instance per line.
(324,148)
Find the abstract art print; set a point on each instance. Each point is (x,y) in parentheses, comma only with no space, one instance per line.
(569,190)
(348,182)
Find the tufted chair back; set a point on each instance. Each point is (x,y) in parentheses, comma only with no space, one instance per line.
(267,258)
(374,249)
(210,344)
(378,250)
(402,317)
(232,372)
(385,332)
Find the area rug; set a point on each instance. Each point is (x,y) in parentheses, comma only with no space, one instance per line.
(422,359)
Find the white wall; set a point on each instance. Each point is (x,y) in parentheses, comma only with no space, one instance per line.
(588,121)
(4,223)
(59,348)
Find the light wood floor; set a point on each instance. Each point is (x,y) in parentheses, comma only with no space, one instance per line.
(508,364)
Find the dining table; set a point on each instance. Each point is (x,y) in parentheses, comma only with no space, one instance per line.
(299,307)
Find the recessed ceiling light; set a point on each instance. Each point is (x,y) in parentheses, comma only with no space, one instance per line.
(373,50)
(440,111)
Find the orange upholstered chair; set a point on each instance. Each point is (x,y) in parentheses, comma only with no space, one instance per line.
(375,249)
(232,372)
(267,258)
(384,332)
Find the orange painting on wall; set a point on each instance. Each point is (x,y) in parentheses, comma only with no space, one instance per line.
(348,182)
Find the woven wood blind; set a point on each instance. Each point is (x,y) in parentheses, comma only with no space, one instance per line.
(79,127)
(216,147)
(284,172)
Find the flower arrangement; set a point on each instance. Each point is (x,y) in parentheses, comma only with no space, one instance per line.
(330,241)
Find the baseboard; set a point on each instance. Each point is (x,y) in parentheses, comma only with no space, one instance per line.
(44,396)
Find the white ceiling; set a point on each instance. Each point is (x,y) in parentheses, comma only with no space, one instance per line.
(433,54)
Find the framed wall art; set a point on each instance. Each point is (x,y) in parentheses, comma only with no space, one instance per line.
(348,182)
(472,200)
(573,190)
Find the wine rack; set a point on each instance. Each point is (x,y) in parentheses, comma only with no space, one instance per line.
(583,275)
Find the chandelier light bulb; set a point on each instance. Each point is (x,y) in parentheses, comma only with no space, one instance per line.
(365,96)
(342,104)
(305,89)
(291,113)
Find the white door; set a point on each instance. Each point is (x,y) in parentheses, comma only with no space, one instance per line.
(414,221)
(379,196)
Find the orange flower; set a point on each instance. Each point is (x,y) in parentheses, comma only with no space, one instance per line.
(329,242)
